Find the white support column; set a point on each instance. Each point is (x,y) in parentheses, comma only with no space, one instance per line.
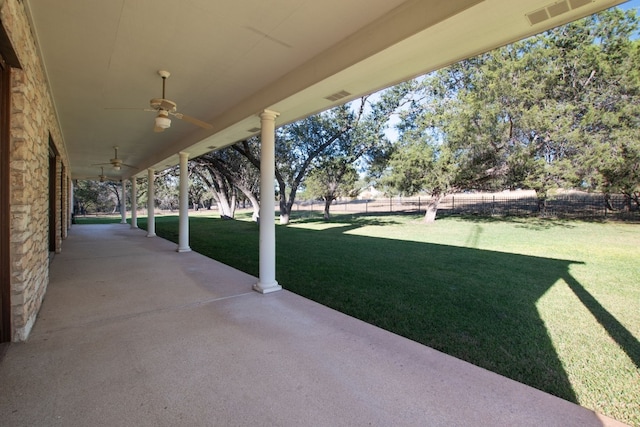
(123,202)
(134,202)
(183,236)
(267,282)
(151,195)
(72,198)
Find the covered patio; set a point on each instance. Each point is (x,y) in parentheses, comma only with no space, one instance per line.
(132,332)
(101,325)
(78,80)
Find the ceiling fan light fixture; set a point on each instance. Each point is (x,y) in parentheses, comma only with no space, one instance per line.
(162,121)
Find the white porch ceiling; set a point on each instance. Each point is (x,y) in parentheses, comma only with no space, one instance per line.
(229,60)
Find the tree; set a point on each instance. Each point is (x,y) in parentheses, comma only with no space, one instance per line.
(86,195)
(422,164)
(91,195)
(300,144)
(225,171)
(444,144)
(167,189)
(197,187)
(309,143)
(142,187)
(115,189)
(330,180)
(609,157)
(223,191)
(556,110)
(297,147)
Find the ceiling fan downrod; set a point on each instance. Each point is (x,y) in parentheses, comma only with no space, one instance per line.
(165,75)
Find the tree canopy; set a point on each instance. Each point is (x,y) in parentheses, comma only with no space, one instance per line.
(558,110)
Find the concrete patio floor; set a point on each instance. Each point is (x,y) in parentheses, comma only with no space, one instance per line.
(132,333)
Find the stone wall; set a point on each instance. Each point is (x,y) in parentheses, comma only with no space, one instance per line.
(33,126)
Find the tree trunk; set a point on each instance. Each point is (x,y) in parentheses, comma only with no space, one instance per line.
(285,215)
(223,204)
(327,206)
(542,206)
(628,202)
(234,203)
(282,200)
(286,204)
(256,208)
(285,209)
(607,202)
(432,208)
(225,208)
(254,202)
(221,191)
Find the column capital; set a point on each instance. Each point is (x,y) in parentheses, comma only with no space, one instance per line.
(268,114)
(183,154)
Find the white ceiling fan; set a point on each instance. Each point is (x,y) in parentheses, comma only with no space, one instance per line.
(104,177)
(116,163)
(165,107)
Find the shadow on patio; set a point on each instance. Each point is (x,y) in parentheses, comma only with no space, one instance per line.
(133,333)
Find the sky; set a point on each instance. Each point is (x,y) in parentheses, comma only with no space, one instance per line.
(630,4)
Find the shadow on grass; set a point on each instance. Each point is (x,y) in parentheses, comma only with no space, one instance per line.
(86,220)
(476,305)
(530,223)
(372,218)
(621,335)
(357,219)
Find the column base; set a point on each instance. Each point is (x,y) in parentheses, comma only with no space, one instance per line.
(267,288)
(187,249)
(151,235)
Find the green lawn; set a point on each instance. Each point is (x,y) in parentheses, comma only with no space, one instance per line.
(99,219)
(553,304)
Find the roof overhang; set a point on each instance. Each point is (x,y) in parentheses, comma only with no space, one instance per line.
(231,60)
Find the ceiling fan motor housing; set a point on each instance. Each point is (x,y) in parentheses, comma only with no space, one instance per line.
(163,104)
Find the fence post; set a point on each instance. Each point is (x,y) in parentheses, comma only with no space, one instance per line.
(418,204)
(390,203)
(366,206)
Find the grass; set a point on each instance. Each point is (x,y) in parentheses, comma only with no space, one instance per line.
(553,304)
(102,219)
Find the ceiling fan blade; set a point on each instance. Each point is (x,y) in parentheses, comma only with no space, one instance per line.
(129,108)
(129,166)
(193,120)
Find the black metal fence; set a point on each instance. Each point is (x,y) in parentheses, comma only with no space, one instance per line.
(561,206)
(588,206)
